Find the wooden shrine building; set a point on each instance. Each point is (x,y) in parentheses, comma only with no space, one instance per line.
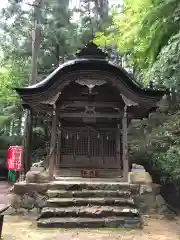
(92,103)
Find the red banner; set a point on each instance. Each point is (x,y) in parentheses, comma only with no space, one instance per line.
(14,158)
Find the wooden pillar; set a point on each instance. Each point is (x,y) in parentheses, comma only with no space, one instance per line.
(125,145)
(58,155)
(1,225)
(27,142)
(118,146)
(52,155)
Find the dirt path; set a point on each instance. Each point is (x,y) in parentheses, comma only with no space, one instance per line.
(4,189)
(19,228)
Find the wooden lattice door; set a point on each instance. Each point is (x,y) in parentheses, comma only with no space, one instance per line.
(89,148)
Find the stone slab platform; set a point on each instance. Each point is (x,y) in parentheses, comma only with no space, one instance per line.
(90,203)
(112,222)
(68,202)
(87,193)
(75,184)
(89,212)
(89,184)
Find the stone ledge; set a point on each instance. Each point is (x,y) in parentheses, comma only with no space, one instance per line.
(22,188)
(77,186)
(119,222)
(67,202)
(150,188)
(88,193)
(139,178)
(89,212)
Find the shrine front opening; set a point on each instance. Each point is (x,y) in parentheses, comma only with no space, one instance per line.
(89,148)
(91,103)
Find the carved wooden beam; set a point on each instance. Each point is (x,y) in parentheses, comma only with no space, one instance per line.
(77,126)
(52,100)
(128,102)
(97,115)
(91,104)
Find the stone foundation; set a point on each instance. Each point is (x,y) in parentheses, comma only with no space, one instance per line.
(100,194)
(149,200)
(22,188)
(90,204)
(28,196)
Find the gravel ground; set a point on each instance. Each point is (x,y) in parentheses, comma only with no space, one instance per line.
(21,228)
(4,189)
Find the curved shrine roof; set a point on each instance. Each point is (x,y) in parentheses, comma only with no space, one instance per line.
(89,60)
(88,64)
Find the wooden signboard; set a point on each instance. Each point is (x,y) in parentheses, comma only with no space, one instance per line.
(88,173)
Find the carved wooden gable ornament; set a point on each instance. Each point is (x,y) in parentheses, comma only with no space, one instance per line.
(92,51)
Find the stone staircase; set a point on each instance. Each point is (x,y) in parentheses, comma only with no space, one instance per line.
(90,204)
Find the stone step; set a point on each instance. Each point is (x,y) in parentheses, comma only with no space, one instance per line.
(67,202)
(87,193)
(113,222)
(89,212)
(90,185)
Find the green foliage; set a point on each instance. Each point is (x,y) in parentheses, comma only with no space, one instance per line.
(159,24)
(168,161)
(58,33)
(124,34)
(12,74)
(157,141)
(16,28)
(165,70)
(94,17)
(142,30)
(59,40)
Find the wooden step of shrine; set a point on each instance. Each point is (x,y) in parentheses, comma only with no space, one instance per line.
(87,203)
